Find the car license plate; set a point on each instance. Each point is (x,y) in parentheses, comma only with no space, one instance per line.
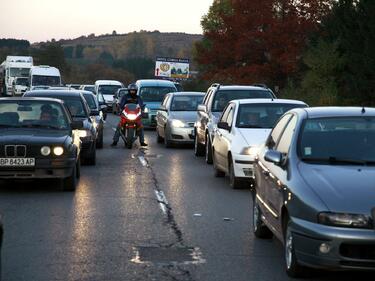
(17,162)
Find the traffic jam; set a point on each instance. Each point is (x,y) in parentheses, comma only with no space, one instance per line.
(295,181)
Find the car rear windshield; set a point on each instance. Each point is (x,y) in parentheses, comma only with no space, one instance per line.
(89,88)
(262,115)
(32,114)
(90,99)
(41,80)
(155,94)
(339,140)
(108,89)
(222,97)
(186,103)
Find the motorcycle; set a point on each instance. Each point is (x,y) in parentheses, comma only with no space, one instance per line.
(131,118)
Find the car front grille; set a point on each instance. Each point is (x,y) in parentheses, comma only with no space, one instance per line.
(15,150)
(358,251)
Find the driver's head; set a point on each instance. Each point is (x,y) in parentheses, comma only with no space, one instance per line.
(133,89)
(222,101)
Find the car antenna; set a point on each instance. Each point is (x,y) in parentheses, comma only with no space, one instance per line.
(363,110)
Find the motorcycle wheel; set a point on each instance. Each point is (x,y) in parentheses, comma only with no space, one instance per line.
(130,138)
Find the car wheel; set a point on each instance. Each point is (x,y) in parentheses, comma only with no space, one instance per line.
(70,183)
(208,150)
(91,160)
(78,168)
(159,139)
(198,147)
(260,230)
(167,142)
(234,181)
(217,173)
(293,268)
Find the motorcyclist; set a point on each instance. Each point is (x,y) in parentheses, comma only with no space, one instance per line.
(131,97)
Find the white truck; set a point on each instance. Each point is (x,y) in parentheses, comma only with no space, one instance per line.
(44,75)
(10,69)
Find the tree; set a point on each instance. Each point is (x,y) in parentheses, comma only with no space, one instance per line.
(247,41)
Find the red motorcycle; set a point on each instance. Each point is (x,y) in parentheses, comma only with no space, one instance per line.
(131,121)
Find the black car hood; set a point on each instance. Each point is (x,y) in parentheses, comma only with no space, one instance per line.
(33,136)
(344,189)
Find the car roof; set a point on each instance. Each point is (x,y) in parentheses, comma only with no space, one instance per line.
(49,93)
(241,87)
(32,99)
(270,100)
(108,82)
(337,111)
(188,93)
(154,82)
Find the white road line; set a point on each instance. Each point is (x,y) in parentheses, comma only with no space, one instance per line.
(143,161)
(162,201)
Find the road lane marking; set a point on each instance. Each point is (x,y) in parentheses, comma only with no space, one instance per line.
(143,161)
(162,200)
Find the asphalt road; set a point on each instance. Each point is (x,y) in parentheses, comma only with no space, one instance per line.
(153,214)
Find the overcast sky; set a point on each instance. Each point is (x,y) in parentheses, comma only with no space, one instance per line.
(41,20)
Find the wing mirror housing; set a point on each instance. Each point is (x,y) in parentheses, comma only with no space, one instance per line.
(202,108)
(223,125)
(274,156)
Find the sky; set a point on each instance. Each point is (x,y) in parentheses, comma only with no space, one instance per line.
(42,20)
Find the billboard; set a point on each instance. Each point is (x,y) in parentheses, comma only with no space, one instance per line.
(172,68)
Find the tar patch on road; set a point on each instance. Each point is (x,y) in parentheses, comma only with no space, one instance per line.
(167,256)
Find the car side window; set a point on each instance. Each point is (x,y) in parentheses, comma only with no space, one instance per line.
(226,111)
(286,138)
(277,131)
(230,116)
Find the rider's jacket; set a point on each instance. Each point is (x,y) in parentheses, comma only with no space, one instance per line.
(130,99)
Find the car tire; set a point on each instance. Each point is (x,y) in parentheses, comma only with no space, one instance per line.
(78,168)
(293,268)
(234,181)
(159,139)
(91,160)
(100,141)
(70,183)
(167,142)
(208,150)
(198,147)
(217,173)
(260,230)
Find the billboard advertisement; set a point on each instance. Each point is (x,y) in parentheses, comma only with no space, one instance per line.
(172,68)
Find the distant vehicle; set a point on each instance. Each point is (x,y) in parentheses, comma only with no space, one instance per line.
(44,75)
(153,92)
(117,99)
(176,116)
(178,86)
(102,104)
(90,88)
(38,139)
(79,111)
(74,86)
(315,190)
(20,85)
(10,69)
(242,128)
(108,88)
(214,102)
(97,116)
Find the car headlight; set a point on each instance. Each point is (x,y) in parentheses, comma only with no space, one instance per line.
(58,150)
(345,220)
(178,123)
(251,150)
(45,150)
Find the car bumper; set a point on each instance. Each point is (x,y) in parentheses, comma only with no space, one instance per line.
(243,166)
(181,135)
(87,146)
(350,249)
(44,168)
(150,120)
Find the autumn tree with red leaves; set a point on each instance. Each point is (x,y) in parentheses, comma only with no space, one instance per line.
(249,41)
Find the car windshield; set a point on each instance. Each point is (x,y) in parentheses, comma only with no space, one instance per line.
(32,114)
(122,93)
(339,140)
(155,94)
(109,89)
(19,72)
(90,99)
(75,106)
(89,88)
(186,103)
(262,115)
(38,80)
(22,81)
(222,97)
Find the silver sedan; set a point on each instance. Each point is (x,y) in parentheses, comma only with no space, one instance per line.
(176,116)
(315,188)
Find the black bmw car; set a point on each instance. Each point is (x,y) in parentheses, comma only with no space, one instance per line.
(79,111)
(38,139)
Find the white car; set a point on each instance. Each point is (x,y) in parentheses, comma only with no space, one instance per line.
(244,125)
(108,88)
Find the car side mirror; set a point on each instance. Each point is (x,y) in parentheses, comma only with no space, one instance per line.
(202,108)
(274,156)
(103,107)
(77,125)
(162,108)
(223,125)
